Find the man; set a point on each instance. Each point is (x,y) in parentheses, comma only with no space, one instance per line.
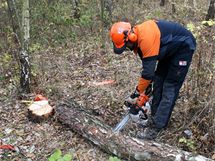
(166,50)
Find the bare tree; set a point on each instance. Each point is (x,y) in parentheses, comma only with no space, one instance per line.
(15,21)
(140,2)
(162,2)
(21,29)
(102,20)
(173,7)
(75,4)
(211,10)
(24,56)
(108,4)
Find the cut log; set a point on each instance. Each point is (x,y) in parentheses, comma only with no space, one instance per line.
(81,121)
(40,110)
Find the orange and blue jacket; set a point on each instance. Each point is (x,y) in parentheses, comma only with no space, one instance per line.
(158,39)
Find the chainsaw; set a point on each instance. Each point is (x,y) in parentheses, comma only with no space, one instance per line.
(137,112)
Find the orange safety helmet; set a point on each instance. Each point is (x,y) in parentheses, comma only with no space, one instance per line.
(120,33)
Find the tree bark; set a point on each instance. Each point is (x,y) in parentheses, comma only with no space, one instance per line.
(211,10)
(21,29)
(140,2)
(14,19)
(24,56)
(162,2)
(75,4)
(108,5)
(102,23)
(81,121)
(16,26)
(173,7)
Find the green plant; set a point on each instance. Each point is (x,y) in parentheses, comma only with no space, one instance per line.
(1,79)
(34,70)
(187,142)
(35,47)
(197,28)
(6,58)
(114,159)
(86,20)
(191,27)
(57,156)
(209,23)
(157,13)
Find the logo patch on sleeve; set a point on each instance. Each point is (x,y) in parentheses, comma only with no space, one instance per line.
(183,63)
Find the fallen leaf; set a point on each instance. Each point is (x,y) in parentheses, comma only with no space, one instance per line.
(31,155)
(8,130)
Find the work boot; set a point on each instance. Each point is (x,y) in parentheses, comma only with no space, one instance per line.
(150,133)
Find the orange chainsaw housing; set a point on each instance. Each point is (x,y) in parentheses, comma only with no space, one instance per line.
(142,99)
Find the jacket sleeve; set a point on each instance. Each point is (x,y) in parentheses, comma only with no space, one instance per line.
(147,74)
(149,66)
(149,44)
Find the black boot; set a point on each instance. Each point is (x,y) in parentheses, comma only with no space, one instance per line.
(149,133)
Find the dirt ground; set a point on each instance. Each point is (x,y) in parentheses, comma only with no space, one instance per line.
(64,73)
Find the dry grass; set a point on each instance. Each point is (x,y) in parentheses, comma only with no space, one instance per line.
(70,71)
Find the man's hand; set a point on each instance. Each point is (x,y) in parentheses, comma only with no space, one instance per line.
(136,100)
(131,102)
(132,99)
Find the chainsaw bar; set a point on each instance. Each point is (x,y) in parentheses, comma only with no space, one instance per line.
(122,123)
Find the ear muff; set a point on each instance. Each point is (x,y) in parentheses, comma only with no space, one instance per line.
(132,37)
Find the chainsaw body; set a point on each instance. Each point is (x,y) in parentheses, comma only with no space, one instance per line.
(137,112)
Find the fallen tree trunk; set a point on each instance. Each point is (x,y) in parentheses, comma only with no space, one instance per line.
(79,120)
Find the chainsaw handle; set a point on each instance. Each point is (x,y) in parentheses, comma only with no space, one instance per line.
(133,109)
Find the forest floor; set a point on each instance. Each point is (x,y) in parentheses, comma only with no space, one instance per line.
(70,72)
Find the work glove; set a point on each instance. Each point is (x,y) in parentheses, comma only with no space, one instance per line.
(139,105)
(131,102)
(136,101)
